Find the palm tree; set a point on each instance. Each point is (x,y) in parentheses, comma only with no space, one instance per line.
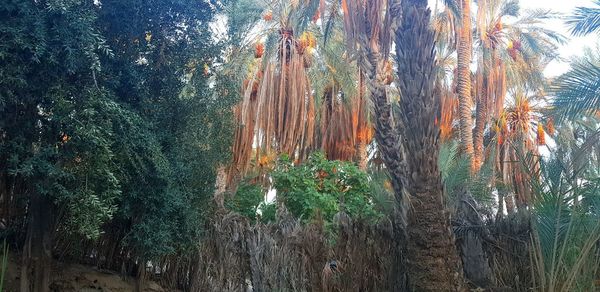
(519,53)
(434,264)
(300,93)
(367,30)
(566,220)
(464,53)
(510,58)
(344,130)
(277,111)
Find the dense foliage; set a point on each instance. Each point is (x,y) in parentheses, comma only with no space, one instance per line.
(434,139)
(316,188)
(111,117)
(323,187)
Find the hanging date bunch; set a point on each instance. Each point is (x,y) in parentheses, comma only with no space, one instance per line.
(306,44)
(541,135)
(268,16)
(513,48)
(259,50)
(501,129)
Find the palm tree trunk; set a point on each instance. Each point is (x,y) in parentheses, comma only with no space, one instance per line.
(433,261)
(387,140)
(465,48)
(481,114)
(362,156)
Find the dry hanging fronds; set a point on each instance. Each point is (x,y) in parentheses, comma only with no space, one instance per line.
(389,74)
(276,114)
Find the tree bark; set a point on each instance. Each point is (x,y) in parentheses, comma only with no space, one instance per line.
(464,54)
(37,250)
(480,124)
(140,281)
(387,141)
(388,144)
(433,261)
(362,156)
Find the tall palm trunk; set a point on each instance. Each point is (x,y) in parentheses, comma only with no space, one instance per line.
(433,261)
(387,138)
(363,127)
(481,114)
(408,139)
(465,48)
(387,141)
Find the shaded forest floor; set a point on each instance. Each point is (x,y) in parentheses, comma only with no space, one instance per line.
(75,277)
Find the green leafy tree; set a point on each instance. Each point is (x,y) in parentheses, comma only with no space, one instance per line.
(164,56)
(112,117)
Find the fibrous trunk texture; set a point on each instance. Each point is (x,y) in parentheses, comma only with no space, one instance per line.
(472,242)
(433,261)
(480,124)
(387,142)
(464,79)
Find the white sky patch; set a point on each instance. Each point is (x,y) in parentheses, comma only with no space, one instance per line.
(575,45)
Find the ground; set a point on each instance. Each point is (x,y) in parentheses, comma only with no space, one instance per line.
(78,278)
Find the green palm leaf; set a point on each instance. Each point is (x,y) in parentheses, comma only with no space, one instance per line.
(578,91)
(585,20)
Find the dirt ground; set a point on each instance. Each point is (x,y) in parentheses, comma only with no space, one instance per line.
(78,278)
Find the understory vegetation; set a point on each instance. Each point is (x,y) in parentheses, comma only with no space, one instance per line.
(304,145)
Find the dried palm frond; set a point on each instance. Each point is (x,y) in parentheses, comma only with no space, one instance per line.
(277,112)
(448,111)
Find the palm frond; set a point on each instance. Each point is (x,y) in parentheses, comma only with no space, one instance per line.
(454,168)
(578,91)
(454,7)
(510,8)
(565,232)
(585,20)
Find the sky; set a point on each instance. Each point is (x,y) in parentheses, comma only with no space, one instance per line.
(574,45)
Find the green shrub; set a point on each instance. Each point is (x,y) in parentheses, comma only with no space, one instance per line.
(321,186)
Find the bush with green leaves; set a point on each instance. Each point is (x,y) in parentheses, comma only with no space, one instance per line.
(324,187)
(317,187)
(247,200)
